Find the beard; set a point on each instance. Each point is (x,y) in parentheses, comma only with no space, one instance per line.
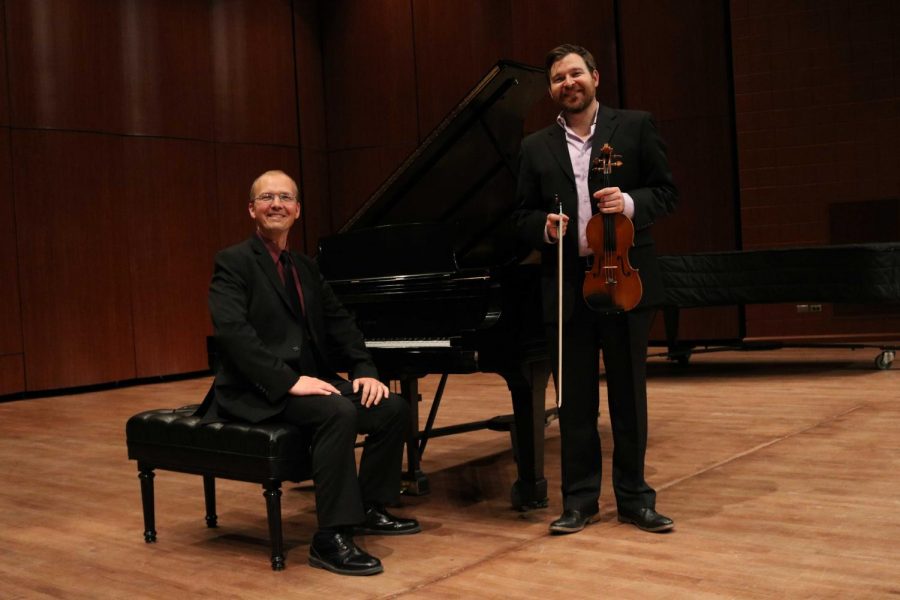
(579,107)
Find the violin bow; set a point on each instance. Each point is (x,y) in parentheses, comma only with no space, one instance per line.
(559,304)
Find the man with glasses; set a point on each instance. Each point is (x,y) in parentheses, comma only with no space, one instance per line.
(278,330)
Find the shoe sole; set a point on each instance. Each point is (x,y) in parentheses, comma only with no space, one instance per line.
(363,531)
(659,529)
(557,530)
(321,564)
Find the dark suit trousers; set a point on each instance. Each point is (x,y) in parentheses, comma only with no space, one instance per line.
(340,494)
(623,341)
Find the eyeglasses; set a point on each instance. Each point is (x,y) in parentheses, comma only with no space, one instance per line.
(269,198)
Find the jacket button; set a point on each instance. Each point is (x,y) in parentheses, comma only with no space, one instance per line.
(295,348)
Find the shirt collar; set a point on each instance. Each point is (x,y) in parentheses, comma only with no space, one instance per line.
(561,121)
(272,247)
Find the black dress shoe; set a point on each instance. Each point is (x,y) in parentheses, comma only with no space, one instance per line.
(573,520)
(380,522)
(337,553)
(648,520)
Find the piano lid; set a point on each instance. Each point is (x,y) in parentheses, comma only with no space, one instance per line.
(463,176)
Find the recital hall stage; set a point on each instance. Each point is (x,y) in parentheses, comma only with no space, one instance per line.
(781,470)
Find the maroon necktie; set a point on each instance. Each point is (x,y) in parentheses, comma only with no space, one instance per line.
(287,269)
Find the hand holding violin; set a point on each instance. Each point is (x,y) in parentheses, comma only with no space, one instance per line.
(610,200)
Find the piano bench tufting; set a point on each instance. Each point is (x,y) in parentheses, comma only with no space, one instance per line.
(264,453)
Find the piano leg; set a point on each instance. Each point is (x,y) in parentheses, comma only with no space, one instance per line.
(527,385)
(675,350)
(528,397)
(414,481)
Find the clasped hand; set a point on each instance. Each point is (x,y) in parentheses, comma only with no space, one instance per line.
(373,391)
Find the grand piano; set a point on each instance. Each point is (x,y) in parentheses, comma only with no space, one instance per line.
(430,268)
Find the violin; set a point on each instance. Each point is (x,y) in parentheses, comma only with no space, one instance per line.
(612,285)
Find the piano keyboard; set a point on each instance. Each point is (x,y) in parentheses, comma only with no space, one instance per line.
(408,343)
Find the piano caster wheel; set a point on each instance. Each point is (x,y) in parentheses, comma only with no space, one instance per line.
(884,360)
(533,505)
(417,486)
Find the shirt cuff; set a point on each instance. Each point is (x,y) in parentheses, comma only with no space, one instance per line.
(629,206)
(547,239)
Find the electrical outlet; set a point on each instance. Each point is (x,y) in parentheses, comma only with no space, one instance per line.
(809,308)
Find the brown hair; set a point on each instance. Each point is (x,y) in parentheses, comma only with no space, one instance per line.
(564,50)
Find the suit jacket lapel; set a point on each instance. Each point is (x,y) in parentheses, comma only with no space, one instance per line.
(607,121)
(556,144)
(556,141)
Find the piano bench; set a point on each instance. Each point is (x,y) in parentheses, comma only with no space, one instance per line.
(264,453)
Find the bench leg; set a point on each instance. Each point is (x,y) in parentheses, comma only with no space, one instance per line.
(209,492)
(146,476)
(272,494)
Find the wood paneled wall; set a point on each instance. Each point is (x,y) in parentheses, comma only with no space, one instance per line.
(12,358)
(313,137)
(73,257)
(369,66)
(682,77)
(12,366)
(395,68)
(130,131)
(130,134)
(817,92)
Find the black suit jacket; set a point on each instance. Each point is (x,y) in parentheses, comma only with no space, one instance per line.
(545,170)
(259,339)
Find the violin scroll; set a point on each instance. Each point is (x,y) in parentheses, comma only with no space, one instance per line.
(607,161)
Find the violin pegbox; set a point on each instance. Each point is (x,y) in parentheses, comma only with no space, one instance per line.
(607,161)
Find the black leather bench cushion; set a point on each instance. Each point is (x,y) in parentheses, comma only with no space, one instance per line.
(174,440)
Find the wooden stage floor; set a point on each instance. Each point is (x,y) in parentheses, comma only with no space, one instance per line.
(781,470)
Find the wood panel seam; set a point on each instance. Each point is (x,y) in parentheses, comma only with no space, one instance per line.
(759,447)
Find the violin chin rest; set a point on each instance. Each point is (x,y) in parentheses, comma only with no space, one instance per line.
(602,303)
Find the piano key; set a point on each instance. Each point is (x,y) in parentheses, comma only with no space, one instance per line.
(408,343)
